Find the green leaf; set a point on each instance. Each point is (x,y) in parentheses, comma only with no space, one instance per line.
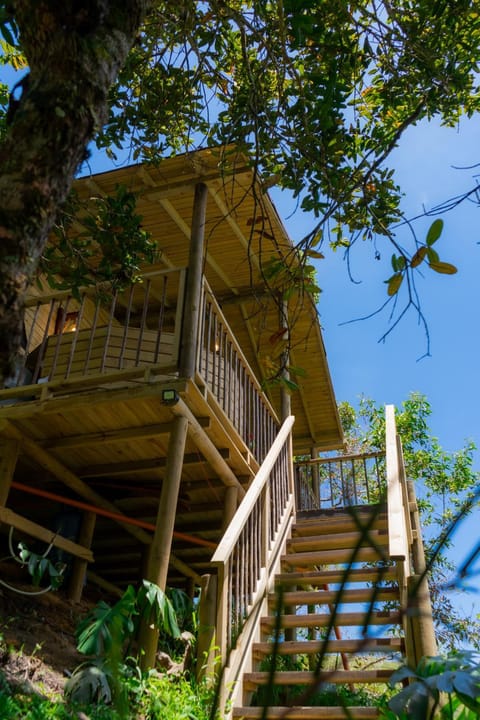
(418,257)
(434,231)
(443,267)
(316,254)
(394,284)
(432,255)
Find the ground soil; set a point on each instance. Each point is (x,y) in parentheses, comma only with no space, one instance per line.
(37,638)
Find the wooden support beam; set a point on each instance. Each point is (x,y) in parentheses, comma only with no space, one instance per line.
(188,346)
(68,478)
(163,536)
(230,505)
(127,468)
(206,446)
(114,436)
(8,517)
(9,450)
(77,578)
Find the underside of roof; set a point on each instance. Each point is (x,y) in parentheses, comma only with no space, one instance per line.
(243,235)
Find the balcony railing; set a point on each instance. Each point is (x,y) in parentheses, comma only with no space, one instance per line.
(227,374)
(94,332)
(342,481)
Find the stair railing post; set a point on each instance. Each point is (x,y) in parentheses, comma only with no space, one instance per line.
(207,630)
(223,612)
(420,606)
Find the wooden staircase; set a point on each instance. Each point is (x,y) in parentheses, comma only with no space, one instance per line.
(334,574)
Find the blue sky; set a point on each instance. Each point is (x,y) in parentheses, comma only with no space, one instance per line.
(389,371)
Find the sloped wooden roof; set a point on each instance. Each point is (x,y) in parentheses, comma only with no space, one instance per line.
(243,234)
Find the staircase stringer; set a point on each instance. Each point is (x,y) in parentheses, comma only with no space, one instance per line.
(246,560)
(240,658)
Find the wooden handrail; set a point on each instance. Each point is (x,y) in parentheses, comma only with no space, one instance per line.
(247,555)
(342,458)
(397,533)
(406,547)
(233,531)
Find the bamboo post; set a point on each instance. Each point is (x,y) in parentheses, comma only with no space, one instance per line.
(315,476)
(420,606)
(230,504)
(189,342)
(207,613)
(9,450)
(162,539)
(285,399)
(77,579)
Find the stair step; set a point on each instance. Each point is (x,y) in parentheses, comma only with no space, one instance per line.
(357,619)
(345,523)
(332,597)
(307,713)
(326,577)
(303,677)
(337,541)
(331,557)
(311,647)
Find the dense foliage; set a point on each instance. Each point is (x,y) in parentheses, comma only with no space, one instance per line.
(317,94)
(447,488)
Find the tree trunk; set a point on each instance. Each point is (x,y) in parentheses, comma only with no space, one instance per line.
(74,51)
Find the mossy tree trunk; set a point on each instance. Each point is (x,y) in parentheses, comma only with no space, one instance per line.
(74,52)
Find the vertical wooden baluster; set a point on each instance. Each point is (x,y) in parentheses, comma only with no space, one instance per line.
(32,328)
(201,335)
(38,364)
(125,329)
(93,330)
(161,315)
(354,480)
(59,333)
(367,488)
(75,336)
(143,322)
(109,330)
(209,347)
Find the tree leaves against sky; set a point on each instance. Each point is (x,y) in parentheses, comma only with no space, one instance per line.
(447,489)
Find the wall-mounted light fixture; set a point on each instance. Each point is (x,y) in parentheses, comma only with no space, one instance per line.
(170,397)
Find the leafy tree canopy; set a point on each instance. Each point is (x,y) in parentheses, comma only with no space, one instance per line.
(317,94)
(447,488)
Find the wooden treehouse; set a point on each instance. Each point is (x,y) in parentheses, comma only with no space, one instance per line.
(142,419)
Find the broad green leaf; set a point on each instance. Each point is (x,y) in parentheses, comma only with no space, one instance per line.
(316,254)
(432,255)
(443,267)
(434,231)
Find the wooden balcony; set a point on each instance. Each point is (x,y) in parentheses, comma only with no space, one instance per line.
(103,384)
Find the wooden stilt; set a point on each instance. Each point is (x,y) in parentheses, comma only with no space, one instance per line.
(230,504)
(162,539)
(207,615)
(77,579)
(193,292)
(9,449)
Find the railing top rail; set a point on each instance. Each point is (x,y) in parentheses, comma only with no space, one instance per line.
(398,540)
(92,290)
(233,531)
(248,368)
(340,458)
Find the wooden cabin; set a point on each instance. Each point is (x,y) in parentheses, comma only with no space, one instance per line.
(147,418)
